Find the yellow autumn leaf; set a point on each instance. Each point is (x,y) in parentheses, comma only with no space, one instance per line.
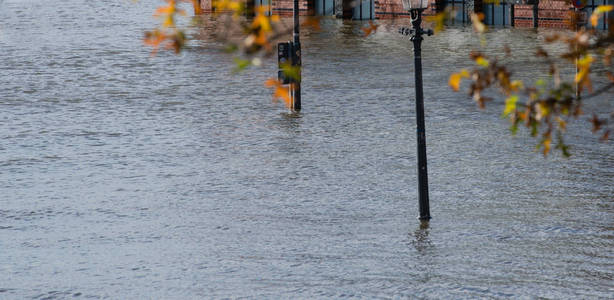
(542,110)
(600,10)
(516,85)
(261,21)
(584,68)
(481,61)
(168,21)
(455,79)
(547,144)
(438,20)
(235,6)
(510,105)
(166,10)
(476,20)
(562,123)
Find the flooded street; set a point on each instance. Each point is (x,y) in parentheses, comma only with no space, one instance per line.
(127,176)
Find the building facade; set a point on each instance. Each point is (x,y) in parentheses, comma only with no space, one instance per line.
(518,13)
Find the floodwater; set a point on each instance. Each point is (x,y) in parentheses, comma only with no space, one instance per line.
(129,176)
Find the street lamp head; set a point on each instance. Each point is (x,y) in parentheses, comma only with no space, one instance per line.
(415,4)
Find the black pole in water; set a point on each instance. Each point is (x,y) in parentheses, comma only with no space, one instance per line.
(423,186)
(296,58)
(535,13)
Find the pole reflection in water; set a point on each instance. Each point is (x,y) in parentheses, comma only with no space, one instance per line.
(421,241)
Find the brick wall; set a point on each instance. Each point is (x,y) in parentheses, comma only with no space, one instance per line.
(552,14)
(280,7)
(285,7)
(388,9)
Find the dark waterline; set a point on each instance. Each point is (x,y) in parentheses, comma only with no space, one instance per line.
(126,176)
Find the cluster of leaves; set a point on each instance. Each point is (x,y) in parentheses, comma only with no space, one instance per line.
(250,39)
(545,107)
(167,35)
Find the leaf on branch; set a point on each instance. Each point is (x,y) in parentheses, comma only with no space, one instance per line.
(279,92)
(371,28)
(293,72)
(541,52)
(543,110)
(546,144)
(562,124)
(510,105)
(597,123)
(476,20)
(313,22)
(605,136)
(481,61)
(584,68)
(166,10)
(600,10)
(439,20)
(240,64)
(237,7)
(455,79)
(560,144)
(481,100)
(166,34)
(516,85)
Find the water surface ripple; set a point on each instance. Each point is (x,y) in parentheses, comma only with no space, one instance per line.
(128,176)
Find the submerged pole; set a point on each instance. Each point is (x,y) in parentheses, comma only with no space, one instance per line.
(296,58)
(423,186)
(535,13)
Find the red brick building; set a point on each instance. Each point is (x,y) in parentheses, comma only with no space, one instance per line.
(549,13)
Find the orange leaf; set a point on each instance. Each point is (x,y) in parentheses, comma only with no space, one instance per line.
(547,143)
(197,9)
(455,79)
(370,29)
(280,91)
(312,22)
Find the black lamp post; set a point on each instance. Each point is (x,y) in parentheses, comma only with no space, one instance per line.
(416,7)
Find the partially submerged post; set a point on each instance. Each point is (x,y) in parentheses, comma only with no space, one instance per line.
(416,7)
(296,59)
(535,13)
(289,53)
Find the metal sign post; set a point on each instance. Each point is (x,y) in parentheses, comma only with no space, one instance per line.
(289,53)
(296,59)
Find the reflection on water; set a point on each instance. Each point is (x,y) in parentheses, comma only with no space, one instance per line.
(421,241)
(130,176)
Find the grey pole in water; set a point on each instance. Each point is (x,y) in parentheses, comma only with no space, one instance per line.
(296,58)
(423,186)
